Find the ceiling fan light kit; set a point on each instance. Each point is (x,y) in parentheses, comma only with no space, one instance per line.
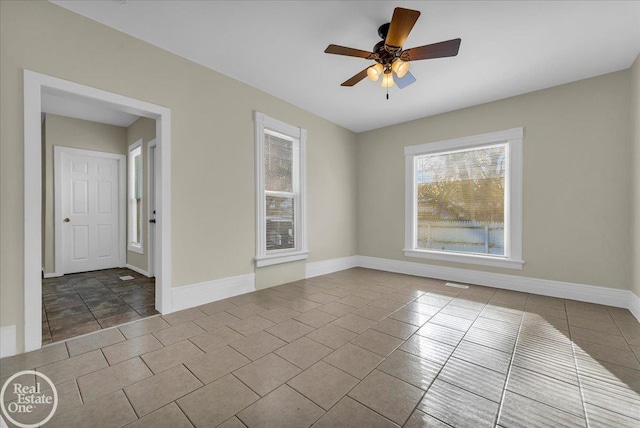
(391,60)
(400,67)
(387,79)
(375,71)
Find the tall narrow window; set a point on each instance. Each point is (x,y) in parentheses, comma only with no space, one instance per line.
(135,197)
(464,200)
(280,198)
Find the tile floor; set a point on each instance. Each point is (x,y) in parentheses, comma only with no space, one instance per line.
(80,303)
(357,348)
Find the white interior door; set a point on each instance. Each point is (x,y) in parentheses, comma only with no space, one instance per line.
(88,199)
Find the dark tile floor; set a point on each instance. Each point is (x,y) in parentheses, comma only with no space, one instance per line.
(80,303)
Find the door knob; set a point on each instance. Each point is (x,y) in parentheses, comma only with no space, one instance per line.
(67,220)
(153,220)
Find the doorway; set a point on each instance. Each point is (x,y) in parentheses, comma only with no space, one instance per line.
(35,85)
(92,178)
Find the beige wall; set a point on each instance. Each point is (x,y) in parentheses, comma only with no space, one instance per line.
(142,129)
(635,120)
(269,276)
(77,134)
(577,169)
(212,148)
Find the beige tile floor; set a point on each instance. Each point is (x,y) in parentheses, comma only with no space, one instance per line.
(358,348)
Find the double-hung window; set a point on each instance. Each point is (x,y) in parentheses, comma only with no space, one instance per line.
(464,200)
(280,191)
(135,197)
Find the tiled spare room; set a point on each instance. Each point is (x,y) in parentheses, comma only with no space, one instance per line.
(357,348)
(80,303)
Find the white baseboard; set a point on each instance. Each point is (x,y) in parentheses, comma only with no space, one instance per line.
(634,305)
(329,266)
(189,296)
(7,341)
(137,269)
(52,275)
(565,290)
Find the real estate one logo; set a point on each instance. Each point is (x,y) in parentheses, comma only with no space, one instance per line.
(31,404)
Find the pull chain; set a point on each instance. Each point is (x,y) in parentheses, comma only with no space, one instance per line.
(387,92)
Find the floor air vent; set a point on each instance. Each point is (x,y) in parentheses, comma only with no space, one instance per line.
(454,285)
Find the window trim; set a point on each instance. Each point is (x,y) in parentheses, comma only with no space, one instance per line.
(133,246)
(513,198)
(300,252)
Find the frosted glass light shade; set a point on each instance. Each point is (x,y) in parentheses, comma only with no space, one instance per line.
(400,67)
(374,72)
(387,80)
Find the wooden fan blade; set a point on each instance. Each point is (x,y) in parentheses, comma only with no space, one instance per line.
(436,50)
(402,22)
(355,79)
(341,50)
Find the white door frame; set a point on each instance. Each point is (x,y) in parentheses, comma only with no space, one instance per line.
(151,178)
(58,151)
(34,84)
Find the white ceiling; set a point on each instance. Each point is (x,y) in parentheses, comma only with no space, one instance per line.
(85,109)
(508,48)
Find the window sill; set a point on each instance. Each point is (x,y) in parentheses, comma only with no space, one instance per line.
(274,259)
(135,248)
(466,258)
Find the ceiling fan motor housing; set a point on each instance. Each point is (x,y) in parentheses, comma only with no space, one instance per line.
(385,56)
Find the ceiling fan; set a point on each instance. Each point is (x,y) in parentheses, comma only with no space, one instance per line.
(392,62)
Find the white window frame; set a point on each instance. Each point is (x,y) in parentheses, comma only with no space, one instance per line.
(134,246)
(299,137)
(512,257)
